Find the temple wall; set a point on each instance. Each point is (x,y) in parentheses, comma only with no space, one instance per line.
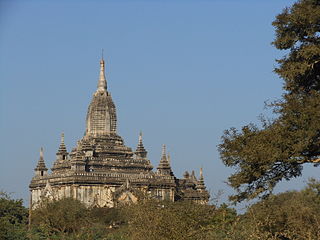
(100,195)
(164,194)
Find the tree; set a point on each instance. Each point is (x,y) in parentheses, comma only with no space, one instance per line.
(263,156)
(224,224)
(289,215)
(59,218)
(68,218)
(13,218)
(152,219)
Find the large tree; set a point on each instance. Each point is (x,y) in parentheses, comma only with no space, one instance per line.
(263,156)
(13,218)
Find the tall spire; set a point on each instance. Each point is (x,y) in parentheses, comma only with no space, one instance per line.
(62,138)
(164,165)
(62,151)
(164,154)
(200,185)
(62,147)
(101,115)
(201,173)
(102,83)
(41,166)
(141,151)
(140,139)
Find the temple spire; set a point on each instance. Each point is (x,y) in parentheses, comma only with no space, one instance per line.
(102,83)
(62,151)
(62,145)
(193,176)
(164,154)
(200,184)
(141,151)
(140,139)
(62,138)
(41,169)
(41,154)
(164,167)
(101,115)
(201,173)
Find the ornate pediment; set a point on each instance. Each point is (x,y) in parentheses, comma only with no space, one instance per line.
(126,194)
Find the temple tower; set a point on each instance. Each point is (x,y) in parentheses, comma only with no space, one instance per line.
(101,116)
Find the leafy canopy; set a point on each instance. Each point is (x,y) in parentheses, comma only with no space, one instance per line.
(289,215)
(263,156)
(13,218)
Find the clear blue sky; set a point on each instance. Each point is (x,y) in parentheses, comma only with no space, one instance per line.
(180,71)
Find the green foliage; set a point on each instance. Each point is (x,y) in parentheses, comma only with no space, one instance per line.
(224,223)
(289,215)
(297,30)
(70,219)
(58,217)
(264,156)
(148,219)
(167,220)
(13,218)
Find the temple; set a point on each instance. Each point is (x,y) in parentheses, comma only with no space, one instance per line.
(102,171)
